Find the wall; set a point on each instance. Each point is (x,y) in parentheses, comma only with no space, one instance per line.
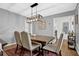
(49,30)
(77,28)
(58,25)
(10,22)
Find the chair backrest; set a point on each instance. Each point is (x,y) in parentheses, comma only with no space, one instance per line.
(18,38)
(56,35)
(60,41)
(26,41)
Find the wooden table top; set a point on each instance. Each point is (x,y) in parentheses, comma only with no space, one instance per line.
(41,38)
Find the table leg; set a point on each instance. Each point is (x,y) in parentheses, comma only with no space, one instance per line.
(42,49)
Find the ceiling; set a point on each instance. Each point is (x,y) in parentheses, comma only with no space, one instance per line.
(44,9)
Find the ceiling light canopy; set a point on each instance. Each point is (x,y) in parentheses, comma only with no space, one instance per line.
(35,4)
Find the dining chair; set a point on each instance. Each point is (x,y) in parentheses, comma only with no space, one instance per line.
(54,40)
(55,37)
(28,44)
(55,48)
(18,40)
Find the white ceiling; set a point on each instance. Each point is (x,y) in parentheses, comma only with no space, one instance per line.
(44,9)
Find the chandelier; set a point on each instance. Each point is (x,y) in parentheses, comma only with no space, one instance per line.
(39,19)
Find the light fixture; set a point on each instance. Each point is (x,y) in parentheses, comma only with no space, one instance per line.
(39,19)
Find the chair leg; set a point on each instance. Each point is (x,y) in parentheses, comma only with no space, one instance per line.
(60,53)
(16,49)
(42,52)
(21,52)
(31,53)
(39,50)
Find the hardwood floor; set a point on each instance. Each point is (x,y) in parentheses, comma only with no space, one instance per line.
(65,51)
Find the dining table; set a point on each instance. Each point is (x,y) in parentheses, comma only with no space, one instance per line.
(42,39)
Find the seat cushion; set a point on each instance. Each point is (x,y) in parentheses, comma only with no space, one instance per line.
(50,47)
(34,46)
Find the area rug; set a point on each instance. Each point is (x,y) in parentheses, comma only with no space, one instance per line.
(11,52)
